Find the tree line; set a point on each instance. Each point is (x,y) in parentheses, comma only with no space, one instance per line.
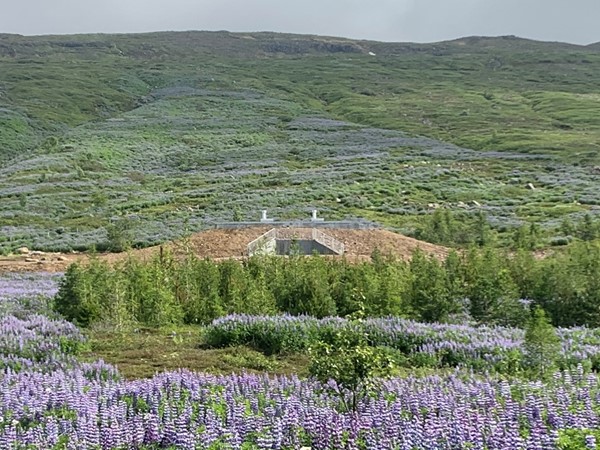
(481,285)
(456,229)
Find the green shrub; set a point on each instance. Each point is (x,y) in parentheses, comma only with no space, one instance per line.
(542,345)
(347,358)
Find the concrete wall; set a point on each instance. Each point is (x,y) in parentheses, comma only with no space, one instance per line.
(306,247)
(263,245)
(268,247)
(352,225)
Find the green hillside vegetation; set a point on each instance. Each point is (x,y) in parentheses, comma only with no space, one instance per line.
(172,131)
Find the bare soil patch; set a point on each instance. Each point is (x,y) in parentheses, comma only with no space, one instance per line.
(224,243)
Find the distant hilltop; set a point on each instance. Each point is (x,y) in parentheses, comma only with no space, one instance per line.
(248,44)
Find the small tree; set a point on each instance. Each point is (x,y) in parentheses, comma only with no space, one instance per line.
(587,230)
(489,285)
(237,215)
(119,235)
(348,359)
(428,289)
(542,345)
(23,200)
(82,292)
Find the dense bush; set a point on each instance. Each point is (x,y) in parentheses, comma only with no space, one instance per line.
(502,349)
(484,285)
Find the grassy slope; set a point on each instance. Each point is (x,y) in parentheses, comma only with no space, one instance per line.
(172,129)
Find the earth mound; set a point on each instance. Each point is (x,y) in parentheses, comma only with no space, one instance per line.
(231,243)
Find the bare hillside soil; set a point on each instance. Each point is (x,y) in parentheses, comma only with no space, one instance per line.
(222,244)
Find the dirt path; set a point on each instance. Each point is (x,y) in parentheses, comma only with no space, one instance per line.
(221,244)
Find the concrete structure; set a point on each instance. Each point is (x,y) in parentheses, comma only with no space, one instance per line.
(283,241)
(313,222)
(343,224)
(314,217)
(264,218)
(302,247)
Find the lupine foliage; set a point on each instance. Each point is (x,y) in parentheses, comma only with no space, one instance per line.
(183,410)
(495,348)
(29,339)
(22,293)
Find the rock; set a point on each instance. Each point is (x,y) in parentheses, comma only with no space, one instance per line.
(31,260)
(596,169)
(530,186)
(476,203)
(61,258)
(461,205)
(23,251)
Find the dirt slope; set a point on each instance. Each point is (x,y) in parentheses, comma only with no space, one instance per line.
(219,243)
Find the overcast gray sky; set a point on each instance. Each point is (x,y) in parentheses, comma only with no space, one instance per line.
(575,21)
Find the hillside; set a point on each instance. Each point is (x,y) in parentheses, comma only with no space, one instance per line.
(166,132)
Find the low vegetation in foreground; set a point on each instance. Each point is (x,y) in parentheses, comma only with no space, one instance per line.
(443,385)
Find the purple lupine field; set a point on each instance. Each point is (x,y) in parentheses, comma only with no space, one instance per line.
(51,401)
(26,292)
(20,285)
(441,344)
(188,411)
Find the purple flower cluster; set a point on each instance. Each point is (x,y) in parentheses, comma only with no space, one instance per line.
(30,341)
(443,344)
(39,284)
(183,410)
(24,293)
(37,343)
(57,402)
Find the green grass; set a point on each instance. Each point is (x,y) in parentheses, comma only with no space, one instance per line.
(142,353)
